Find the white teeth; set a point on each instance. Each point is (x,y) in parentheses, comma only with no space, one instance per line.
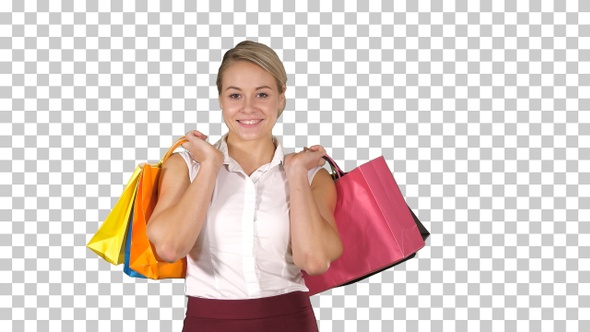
(249,122)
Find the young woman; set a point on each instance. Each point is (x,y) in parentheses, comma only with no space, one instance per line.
(248,217)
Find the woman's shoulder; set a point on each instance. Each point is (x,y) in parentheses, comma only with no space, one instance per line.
(184,155)
(182,163)
(176,161)
(311,174)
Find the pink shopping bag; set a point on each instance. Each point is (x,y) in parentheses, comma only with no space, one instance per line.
(377,228)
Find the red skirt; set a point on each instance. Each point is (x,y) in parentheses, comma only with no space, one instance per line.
(291,312)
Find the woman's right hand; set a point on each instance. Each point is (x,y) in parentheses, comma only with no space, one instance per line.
(201,150)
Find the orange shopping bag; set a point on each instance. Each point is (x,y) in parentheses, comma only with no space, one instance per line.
(143,258)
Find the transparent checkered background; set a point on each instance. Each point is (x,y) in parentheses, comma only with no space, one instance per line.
(480,108)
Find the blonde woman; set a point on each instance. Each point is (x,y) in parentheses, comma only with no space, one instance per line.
(248,217)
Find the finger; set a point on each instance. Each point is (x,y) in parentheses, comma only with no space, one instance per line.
(321,160)
(189,135)
(316,156)
(320,155)
(318,148)
(195,133)
(186,147)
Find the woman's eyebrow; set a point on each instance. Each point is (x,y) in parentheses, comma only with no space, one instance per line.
(258,88)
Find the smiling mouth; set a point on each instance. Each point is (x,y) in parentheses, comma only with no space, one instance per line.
(249,122)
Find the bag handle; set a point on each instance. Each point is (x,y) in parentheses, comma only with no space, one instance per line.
(172,149)
(337,172)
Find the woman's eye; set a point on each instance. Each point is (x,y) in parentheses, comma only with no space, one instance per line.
(262,95)
(234,96)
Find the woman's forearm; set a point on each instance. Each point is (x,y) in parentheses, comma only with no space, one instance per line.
(175,229)
(315,243)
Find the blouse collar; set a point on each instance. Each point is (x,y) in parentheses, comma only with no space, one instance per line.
(233,166)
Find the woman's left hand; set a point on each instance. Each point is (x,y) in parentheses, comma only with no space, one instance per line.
(307,159)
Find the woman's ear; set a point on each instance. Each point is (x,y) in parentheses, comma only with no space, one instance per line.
(283,98)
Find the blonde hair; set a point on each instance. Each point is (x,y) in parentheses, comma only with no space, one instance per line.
(259,54)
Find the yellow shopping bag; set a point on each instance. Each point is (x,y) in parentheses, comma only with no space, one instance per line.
(109,240)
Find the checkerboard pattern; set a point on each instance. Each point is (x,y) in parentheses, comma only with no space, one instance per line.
(481,109)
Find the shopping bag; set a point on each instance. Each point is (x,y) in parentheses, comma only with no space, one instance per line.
(376,227)
(424,233)
(109,241)
(126,268)
(143,258)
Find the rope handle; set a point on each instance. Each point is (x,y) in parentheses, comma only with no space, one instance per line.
(172,149)
(337,172)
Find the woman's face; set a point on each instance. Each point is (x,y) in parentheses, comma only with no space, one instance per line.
(250,101)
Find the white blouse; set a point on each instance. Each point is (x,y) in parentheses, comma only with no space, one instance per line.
(244,248)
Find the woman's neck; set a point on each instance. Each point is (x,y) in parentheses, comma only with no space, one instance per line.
(251,154)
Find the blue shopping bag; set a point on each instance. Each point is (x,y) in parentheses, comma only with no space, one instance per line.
(128,270)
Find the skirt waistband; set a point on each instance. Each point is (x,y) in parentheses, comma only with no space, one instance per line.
(248,308)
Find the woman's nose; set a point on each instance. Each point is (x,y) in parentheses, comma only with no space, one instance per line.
(249,105)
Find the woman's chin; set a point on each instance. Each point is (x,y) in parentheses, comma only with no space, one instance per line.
(249,135)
